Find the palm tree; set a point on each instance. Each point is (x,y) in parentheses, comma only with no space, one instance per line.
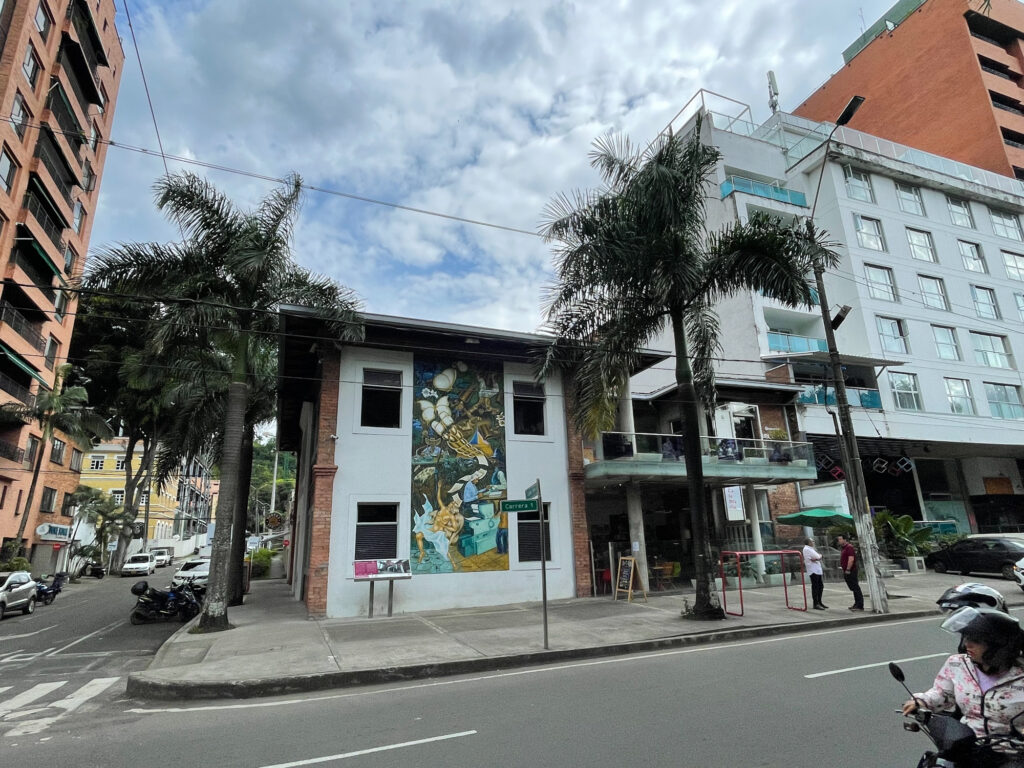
(220,289)
(61,409)
(634,259)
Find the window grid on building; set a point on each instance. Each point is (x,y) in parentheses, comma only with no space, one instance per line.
(528,407)
(910,199)
(48,500)
(1014,263)
(57,449)
(1004,401)
(905,391)
(858,184)
(933,292)
(881,284)
(381,404)
(985,304)
(376,532)
(19,115)
(958,394)
(869,232)
(960,212)
(96,463)
(893,334)
(970,254)
(946,345)
(119,463)
(1006,225)
(991,350)
(922,247)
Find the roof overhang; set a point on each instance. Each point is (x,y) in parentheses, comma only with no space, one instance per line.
(823,357)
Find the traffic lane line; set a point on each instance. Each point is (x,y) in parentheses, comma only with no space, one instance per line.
(874,665)
(107,628)
(520,672)
(371,750)
(27,634)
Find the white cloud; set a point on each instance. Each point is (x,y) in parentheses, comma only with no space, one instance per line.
(470,109)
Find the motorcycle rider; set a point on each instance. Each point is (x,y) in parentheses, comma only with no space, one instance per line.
(986,682)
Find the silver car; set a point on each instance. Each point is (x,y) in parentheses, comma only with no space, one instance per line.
(17,590)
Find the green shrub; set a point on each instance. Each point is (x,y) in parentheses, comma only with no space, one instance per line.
(261,562)
(15,564)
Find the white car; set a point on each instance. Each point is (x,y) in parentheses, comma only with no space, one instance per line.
(17,591)
(1018,572)
(195,572)
(141,564)
(163,556)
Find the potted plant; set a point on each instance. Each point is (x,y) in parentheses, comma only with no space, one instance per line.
(773,575)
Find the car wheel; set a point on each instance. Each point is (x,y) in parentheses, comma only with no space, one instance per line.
(4,608)
(1007,571)
(940,567)
(29,606)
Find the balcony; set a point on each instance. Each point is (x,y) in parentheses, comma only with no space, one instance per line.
(62,111)
(42,280)
(88,37)
(56,166)
(76,69)
(819,394)
(21,325)
(11,387)
(620,457)
(11,452)
(54,231)
(762,189)
(787,342)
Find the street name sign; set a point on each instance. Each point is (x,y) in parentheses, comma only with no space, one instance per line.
(533,491)
(519,505)
(252,542)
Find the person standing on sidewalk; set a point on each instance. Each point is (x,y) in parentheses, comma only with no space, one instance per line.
(848,562)
(812,564)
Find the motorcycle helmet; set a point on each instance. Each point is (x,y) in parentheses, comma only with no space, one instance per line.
(139,588)
(998,631)
(973,594)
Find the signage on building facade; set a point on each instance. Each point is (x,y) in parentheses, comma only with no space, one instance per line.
(53,532)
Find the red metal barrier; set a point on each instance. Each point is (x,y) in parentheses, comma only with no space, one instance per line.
(782,568)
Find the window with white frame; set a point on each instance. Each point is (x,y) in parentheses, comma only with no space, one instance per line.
(1006,224)
(19,115)
(910,199)
(1019,298)
(958,393)
(1014,265)
(43,20)
(922,247)
(933,292)
(893,334)
(528,532)
(143,498)
(869,232)
(946,345)
(991,350)
(881,284)
(30,66)
(960,212)
(120,462)
(905,391)
(528,407)
(972,257)
(118,496)
(858,184)
(1004,401)
(96,462)
(985,304)
(381,399)
(376,531)
(57,449)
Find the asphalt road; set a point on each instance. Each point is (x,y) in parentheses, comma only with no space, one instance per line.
(817,699)
(73,655)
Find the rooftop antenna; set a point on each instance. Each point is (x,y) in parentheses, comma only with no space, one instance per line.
(773,93)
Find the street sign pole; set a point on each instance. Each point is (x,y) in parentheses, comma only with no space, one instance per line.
(543,559)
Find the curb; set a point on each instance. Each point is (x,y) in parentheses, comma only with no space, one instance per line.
(142,686)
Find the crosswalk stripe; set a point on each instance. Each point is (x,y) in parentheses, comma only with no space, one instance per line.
(69,704)
(5,688)
(33,693)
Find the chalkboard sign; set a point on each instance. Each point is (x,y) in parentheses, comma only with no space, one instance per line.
(627,579)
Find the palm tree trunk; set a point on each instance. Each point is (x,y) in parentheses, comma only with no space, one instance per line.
(237,563)
(690,410)
(215,607)
(31,490)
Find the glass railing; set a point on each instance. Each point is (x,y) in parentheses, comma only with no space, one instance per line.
(787,342)
(762,189)
(656,447)
(819,394)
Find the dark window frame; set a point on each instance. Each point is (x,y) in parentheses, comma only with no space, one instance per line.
(380,404)
(376,536)
(527,398)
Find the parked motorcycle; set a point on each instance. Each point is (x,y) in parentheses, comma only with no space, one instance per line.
(47,593)
(160,605)
(957,744)
(92,568)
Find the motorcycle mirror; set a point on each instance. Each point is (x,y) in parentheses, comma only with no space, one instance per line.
(896,672)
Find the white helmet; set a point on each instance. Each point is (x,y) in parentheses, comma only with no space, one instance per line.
(971,594)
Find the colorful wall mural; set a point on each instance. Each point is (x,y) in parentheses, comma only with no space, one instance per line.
(458,467)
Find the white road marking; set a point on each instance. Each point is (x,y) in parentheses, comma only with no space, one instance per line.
(517,673)
(28,656)
(26,634)
(871,666)
(370,751)
(86,637)
(33,693)
(68,704)
(5,688)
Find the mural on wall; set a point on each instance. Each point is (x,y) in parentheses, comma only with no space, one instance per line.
(458,467)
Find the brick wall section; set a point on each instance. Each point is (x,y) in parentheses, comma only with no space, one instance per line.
(780,374)
(782,500)
(324,470)
(925,88)
(577,498)
(772,417)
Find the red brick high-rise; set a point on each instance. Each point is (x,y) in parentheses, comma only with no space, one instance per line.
(941,76)
(60,65)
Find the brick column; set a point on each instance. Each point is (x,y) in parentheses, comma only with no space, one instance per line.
(324,471)
(577,496)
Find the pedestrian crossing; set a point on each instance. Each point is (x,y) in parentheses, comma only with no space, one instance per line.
(40,706)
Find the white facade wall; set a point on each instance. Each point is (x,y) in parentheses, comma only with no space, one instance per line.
(374,465)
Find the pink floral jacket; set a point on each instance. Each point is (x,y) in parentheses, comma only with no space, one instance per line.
(957,683)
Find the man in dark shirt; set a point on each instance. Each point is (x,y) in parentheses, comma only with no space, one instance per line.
(848,562)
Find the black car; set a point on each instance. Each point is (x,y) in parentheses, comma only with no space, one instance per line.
(978,554)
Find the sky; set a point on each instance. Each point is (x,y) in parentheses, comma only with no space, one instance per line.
(483,111)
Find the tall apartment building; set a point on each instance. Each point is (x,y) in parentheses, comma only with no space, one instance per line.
(932,269)
(941,76)
(60,65)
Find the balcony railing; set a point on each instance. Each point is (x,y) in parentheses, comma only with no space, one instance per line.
(81,25)
(76,86)
(11,387)
(787,342)
(43,280)
(53,230)
(20,324)
(66,119)
(11,451)
(652,447)
(819,394)
(761,189)
(50,155)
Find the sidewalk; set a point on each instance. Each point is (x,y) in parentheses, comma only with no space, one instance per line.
(275,649)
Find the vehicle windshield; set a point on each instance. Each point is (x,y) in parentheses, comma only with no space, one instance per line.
(193,565)
(138,559)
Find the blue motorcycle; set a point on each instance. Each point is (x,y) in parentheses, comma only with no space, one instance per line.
(159,605)
(47,593)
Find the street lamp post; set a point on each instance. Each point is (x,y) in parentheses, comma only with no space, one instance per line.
(856,488)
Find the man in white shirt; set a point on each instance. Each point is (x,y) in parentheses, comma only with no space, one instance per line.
(812,565)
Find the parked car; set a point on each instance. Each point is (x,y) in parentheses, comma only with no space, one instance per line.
(195,572)
(979,554)
(163,555)
(17,590)
(141,564)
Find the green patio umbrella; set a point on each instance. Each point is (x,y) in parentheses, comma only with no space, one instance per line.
(816,517)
